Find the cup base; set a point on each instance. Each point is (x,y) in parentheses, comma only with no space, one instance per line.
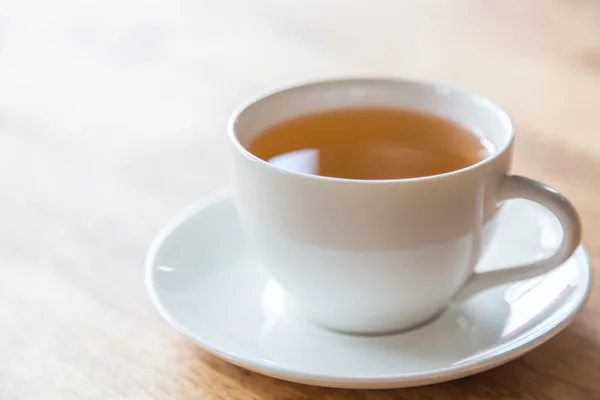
(376,331)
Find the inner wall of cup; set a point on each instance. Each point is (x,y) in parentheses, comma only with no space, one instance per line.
(479,114)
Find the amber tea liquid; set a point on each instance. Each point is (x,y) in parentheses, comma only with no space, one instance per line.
(369,143)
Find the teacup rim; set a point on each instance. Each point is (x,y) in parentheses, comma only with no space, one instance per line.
(474,96)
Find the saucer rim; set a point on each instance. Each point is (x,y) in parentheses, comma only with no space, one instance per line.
(518,346)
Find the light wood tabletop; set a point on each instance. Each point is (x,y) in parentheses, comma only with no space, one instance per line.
(112,118)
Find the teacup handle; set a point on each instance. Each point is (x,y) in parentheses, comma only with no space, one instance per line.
(514,187)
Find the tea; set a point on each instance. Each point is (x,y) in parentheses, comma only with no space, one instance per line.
(369,143)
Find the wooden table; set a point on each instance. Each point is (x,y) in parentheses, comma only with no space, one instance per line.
(112,118)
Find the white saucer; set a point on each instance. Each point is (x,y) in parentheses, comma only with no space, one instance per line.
(206,284)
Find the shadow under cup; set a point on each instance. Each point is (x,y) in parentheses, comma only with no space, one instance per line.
(370,256)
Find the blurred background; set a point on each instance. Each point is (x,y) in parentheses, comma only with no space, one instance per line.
(112,117)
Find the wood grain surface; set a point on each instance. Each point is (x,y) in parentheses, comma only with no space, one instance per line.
(112,118)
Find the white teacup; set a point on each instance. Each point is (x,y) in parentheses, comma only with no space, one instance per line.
(373,256)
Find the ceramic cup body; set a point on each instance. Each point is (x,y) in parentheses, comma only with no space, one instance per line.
(371,256)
